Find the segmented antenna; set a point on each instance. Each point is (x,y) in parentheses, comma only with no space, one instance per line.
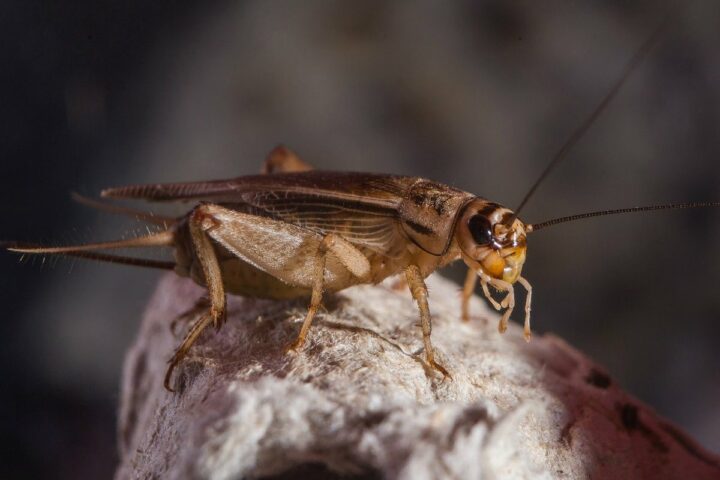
(585,126)
(601,213)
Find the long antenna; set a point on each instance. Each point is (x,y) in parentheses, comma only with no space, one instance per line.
(601,213)
(585,126)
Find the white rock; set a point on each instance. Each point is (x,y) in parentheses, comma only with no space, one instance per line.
(359,400)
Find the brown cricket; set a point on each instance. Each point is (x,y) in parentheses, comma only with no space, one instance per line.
(297,232)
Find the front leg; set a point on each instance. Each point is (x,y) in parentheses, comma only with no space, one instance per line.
(419,292)
(508,302)
(528,306)
(469,288)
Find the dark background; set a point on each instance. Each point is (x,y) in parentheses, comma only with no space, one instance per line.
(479,95)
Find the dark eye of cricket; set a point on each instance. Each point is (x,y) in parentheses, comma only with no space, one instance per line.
(480,229)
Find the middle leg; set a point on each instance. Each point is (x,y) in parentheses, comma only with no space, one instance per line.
(419,292)
(349,256)
(316,296)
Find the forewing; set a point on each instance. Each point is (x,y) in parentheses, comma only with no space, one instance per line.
(362,208)
(358,222)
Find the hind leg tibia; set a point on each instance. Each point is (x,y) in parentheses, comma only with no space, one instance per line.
(200,223)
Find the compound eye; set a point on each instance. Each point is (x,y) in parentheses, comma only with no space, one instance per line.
(480,229)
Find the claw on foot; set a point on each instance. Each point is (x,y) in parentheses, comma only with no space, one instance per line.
(218,318)
(436,366)
(527,334)
(168,373)
(503,324)
(295,346)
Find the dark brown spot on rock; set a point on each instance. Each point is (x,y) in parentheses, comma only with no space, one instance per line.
(598,379)
(629,416)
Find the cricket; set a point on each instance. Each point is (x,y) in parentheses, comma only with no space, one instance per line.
(296,232)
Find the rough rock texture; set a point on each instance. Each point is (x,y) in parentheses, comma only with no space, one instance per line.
(359,400)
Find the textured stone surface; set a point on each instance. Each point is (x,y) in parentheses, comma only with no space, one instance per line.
(359,400)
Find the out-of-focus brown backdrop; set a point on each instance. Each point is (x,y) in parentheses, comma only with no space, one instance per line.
(477,94)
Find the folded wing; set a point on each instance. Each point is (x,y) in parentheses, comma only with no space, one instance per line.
(361,207)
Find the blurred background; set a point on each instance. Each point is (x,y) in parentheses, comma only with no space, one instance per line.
(476,94)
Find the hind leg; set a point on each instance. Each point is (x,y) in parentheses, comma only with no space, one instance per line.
(200,223)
